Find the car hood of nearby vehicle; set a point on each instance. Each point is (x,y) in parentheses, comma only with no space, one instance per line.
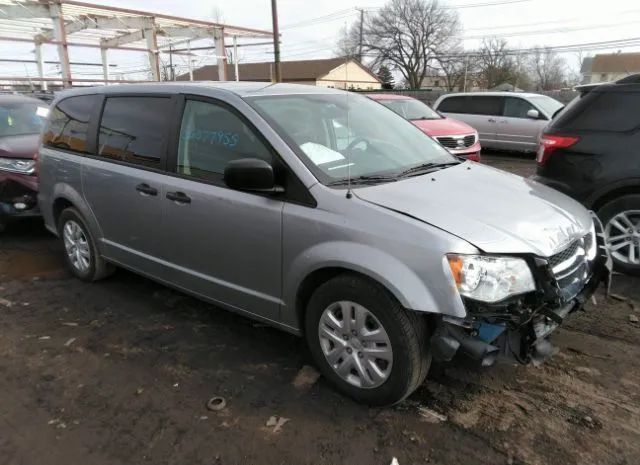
(443,127)
(19,146)
(496,211)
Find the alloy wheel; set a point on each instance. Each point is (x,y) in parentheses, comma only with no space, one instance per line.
(623,237)
(77,246)
(355,344)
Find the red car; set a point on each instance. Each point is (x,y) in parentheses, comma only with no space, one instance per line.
(457,137)
(21,119)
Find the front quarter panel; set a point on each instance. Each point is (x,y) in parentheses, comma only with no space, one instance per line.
(402,253)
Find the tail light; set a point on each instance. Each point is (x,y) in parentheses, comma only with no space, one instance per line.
(549,144)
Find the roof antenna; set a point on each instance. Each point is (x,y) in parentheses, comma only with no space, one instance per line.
(346,79)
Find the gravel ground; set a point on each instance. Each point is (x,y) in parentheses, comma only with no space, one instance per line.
(119,372)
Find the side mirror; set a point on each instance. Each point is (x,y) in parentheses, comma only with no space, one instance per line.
(533,114)
(250,174)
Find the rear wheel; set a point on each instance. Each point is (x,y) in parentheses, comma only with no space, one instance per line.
(364,342)
(81,254)
(621,220)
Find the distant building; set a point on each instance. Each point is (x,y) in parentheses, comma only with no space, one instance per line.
(338,73)
(609,67)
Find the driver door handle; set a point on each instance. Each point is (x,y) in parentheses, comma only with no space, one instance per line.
(146,189)
(179,197)
(491,120)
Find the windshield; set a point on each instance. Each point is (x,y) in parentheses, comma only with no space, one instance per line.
(547,104)
(410,109)
(20,118)
(337,135)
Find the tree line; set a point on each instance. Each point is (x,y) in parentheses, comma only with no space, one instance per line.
(420,38)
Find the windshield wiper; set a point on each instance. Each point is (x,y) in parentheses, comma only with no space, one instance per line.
(426,168)
(363,180)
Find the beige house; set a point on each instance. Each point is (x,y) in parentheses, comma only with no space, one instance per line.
(609,67)
(339,73)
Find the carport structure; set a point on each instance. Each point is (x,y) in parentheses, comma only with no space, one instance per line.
(69,23)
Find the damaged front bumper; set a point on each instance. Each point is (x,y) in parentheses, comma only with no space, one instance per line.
(17,198)
(518,329)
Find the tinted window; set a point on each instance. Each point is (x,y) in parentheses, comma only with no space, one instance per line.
(133,130)
(452,105)
(473,105)
(516,107)
(602,111)
(69,124)
(210,137)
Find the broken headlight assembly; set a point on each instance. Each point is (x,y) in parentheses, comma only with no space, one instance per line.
(490,278)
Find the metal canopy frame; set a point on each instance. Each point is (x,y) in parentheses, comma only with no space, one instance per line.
(70,23)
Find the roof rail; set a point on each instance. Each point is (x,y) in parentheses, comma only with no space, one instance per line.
(631,79)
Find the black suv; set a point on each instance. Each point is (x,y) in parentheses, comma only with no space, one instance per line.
(591,152)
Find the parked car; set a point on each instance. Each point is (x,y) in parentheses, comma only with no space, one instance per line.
(21,119)
(504,120)
(591,153)
(457,137)
(383,250)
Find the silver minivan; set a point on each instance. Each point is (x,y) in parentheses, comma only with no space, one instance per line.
(504,120)
(378,246)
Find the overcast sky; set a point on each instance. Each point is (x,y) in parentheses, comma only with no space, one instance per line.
(310,28)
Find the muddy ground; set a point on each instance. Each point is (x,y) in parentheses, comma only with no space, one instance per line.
(119,373)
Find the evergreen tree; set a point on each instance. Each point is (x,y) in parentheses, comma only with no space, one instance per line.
(384,74)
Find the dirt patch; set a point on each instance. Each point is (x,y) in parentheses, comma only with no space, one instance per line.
(120,372)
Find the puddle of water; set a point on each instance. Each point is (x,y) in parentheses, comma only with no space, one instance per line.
(24,264)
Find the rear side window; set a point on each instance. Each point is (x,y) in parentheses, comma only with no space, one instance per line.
(133,130)
(69,124)
(602,111)
(211,136)
(472,105)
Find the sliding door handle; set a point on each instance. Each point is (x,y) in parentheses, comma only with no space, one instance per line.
(179,197)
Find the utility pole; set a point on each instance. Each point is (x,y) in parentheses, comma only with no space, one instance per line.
(171,73)
(361,27)
(276,42)
(466,67)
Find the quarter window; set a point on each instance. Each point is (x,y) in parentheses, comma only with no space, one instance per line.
(210,137)
(133,130)
(69,124)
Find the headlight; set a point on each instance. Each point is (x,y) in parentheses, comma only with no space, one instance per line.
(17,165)
(490,279)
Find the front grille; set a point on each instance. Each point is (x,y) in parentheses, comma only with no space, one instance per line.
(571,267)
(457,142)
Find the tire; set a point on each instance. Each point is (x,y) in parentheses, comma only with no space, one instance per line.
(88,266)
(406,334)
(623,211)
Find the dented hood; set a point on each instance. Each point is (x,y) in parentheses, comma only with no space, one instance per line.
(496,211)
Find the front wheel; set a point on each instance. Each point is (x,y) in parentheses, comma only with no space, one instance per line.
(364,342)
(621,220)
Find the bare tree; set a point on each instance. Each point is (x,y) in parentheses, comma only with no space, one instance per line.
(496,64)
(457,67)
(404,35)
(548,68)
(348,41)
